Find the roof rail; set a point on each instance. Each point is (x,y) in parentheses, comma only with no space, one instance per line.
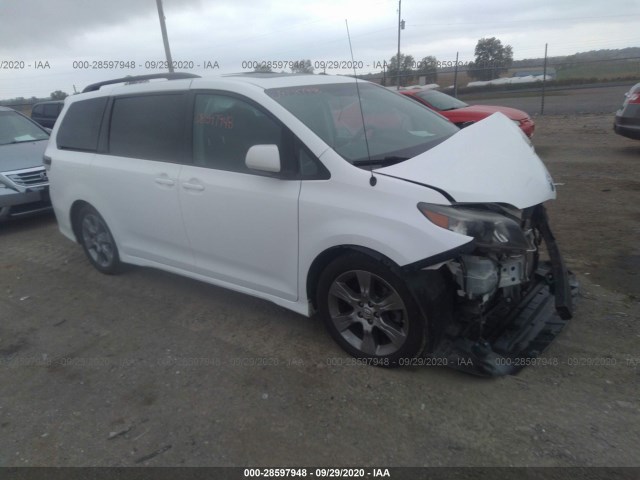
(169,76)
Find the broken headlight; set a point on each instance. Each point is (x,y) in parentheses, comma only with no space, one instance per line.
(489,229)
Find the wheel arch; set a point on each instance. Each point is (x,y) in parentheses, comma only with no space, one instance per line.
(75,210)
(433,290)
(329,255)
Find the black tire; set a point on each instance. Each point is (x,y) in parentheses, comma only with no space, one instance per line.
(370,312)
(97,241)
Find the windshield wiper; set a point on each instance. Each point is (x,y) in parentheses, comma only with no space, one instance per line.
(390,160)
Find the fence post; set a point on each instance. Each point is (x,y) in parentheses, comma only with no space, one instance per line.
(544,78)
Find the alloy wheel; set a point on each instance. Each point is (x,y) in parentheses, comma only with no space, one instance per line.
(368,312)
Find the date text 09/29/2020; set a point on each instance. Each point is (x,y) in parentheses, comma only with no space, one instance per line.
(316,472)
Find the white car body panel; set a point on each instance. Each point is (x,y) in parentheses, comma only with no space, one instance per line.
(383,218)
(72,168)
(500,167)
(139,201)
(243,228)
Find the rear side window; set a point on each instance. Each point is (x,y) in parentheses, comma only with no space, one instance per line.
(149,127)
(51,110)
(80,126)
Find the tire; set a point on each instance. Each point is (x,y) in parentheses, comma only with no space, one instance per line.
(96,240)
(370,312)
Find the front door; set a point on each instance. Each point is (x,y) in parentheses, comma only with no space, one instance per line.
(242,225)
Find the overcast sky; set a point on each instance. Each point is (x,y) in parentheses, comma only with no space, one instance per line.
(62,32)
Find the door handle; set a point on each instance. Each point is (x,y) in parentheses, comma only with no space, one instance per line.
(165,181)
(193,186)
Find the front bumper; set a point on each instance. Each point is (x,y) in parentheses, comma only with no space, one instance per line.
(626,129)
(16,204)
(504,338)
(522,336)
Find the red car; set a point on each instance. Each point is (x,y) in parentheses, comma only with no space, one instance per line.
(462,114)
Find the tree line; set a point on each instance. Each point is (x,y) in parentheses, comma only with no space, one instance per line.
(492,58)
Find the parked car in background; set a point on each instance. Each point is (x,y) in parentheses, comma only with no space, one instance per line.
(46,113)
(24,187)
(627,121)
(320,193)
(463,114)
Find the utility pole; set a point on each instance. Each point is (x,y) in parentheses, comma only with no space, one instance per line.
(399,26)
(165,38)
(544,78)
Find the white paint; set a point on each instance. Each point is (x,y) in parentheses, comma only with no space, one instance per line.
(489,161)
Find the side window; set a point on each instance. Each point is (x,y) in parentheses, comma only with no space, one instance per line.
(310,167)
(80,126)
(150,127)
(50,110)
(224,128)
(37,110)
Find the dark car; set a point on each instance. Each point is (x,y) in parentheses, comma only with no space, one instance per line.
(24,186)
(463,114)
(627,121)
(46,113)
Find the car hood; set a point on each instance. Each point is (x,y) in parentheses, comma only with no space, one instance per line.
(16,156)
(490,161)
(486,110)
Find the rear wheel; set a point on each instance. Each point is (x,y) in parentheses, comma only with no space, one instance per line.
(97,241)
(369,310)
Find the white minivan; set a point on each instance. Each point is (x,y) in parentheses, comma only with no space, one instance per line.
(417,243)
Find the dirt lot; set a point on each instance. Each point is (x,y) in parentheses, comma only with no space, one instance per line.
(148,368)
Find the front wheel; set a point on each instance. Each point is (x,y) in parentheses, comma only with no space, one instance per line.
(369,310)
(97,241)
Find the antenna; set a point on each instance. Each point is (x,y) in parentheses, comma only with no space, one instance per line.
(373,180)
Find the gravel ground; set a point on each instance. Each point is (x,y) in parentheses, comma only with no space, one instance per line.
(147,368)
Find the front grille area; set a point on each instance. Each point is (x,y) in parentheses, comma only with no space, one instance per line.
(30,178)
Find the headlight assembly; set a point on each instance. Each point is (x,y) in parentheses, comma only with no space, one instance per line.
(490,230)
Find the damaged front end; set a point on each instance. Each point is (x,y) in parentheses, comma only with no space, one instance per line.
(509,302)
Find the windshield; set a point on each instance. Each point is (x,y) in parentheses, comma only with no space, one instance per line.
(396,129)
(14,128)
(440,100)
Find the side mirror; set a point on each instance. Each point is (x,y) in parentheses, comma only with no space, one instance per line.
(264,158)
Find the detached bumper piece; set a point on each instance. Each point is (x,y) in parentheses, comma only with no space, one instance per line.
(520,336)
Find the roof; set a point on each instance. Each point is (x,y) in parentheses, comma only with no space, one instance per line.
(259,79)
(49,102)
(279,80)
(138,78)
